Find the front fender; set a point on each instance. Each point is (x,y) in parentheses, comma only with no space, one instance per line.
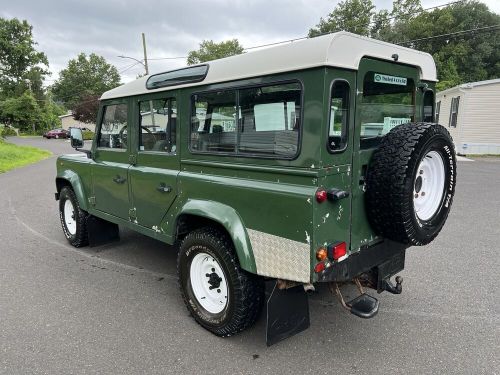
(231,221)
(73,179)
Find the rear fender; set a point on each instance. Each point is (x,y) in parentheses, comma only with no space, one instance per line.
(231,221)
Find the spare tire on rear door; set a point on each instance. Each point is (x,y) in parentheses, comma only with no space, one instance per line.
(411,182)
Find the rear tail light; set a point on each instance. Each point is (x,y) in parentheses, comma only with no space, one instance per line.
(320,267)
(321,195)
(337,250)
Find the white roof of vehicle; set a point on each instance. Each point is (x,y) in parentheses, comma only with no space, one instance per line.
(341,50)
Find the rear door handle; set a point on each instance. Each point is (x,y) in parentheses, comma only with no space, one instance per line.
(163,188)
(119,180)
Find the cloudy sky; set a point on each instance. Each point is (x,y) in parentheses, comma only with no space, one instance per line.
(113,27)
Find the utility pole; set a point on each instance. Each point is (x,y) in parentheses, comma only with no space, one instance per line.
(145,54)
(151,108)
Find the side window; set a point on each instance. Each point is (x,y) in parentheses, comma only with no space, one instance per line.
(387,101)
(261,121)
(214,121)
(158,125)
(454,111)
(113,131)
(428,109)
(339,116)
(270,120)
(438,109)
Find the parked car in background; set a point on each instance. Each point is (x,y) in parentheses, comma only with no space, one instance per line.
(56,133)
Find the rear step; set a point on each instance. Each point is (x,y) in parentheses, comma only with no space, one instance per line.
(364,305)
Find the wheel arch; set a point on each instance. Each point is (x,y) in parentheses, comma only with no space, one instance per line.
(70,178)
(197,213)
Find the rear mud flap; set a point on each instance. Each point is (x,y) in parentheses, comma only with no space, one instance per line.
(287,313)
(101,231)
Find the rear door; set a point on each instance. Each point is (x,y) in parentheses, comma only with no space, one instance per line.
(153,175)
(387,96)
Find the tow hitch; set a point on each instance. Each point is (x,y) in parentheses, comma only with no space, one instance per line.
(388,286)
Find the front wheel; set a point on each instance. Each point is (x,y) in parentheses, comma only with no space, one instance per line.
(73,218)
(220,296)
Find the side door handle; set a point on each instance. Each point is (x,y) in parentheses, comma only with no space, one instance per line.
(119,180)
(163,188)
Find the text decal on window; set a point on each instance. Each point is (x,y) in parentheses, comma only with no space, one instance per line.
(391,80)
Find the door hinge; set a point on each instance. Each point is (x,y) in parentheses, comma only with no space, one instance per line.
(132,214)
(132,159)
(92,201)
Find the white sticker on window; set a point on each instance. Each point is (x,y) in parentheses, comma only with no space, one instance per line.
(391,80)
(391,122)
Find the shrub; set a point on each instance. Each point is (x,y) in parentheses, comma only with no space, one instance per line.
(88,135)
(7,131)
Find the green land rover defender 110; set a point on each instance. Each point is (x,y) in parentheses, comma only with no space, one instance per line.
(311,162)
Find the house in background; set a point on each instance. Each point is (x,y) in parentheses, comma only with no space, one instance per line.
(471,113)
(68,121)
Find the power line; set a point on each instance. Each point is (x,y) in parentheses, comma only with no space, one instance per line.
(167,58)
(128,67)
(456,33)
(306,37)
(424,10)
(329,32)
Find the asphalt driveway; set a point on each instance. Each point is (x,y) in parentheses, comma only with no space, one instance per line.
(117,308)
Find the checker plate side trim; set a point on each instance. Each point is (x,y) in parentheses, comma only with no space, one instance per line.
(280,257)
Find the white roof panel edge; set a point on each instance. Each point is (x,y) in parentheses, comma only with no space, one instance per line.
(342,50)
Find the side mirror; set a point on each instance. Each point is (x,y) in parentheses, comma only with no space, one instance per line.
(76,136)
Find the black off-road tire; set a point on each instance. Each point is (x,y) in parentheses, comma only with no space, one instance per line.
(245,290)
(391,181)
(80,237)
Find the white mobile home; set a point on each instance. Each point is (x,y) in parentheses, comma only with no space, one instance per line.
(471,112)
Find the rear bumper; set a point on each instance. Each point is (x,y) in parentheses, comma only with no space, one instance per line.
(385,259)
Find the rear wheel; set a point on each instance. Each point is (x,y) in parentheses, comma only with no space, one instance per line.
(411,183)
(73,218)
(220,296)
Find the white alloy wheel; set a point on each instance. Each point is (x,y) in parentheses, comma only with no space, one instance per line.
(428,188)
(209,283)
(69,217)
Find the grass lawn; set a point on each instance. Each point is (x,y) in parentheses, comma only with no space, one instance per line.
(13,156)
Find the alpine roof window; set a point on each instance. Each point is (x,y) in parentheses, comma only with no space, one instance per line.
(177,77)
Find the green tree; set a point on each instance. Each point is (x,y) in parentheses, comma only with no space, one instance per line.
(22,112)
(84,77)
(405,10)
(50,112)
(381,26)
(210,50)
(349,15)
(21,65)
(460,58)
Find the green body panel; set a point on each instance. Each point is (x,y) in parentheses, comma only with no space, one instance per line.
(266,196)
(75,171)
(111,197)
